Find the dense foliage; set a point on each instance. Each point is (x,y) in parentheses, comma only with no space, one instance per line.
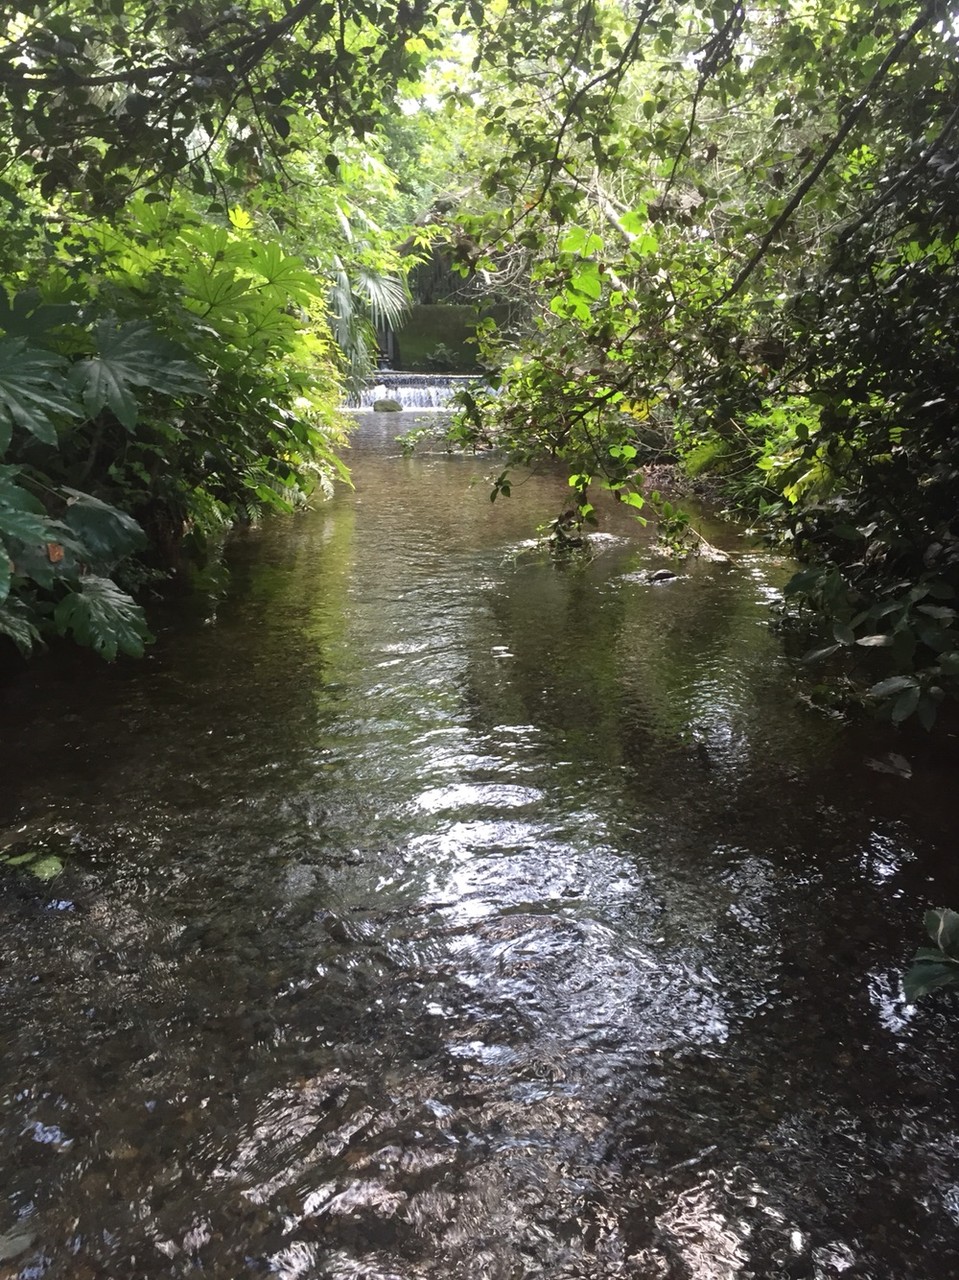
(727,236)
(740,231)
(190,273)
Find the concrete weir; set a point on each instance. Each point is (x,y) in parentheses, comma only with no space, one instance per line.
(416,391)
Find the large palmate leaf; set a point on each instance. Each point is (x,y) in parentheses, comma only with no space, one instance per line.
(104,533)
(34,391)
(285,273)
(128,356)
(103,617)
(28,316)
(216,290)
(21,515)
(17,623)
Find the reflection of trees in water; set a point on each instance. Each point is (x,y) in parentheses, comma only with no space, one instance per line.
(411,934)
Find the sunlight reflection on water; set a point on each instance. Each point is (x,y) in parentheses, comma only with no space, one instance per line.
(438,914)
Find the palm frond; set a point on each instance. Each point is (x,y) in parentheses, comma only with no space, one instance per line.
(387,297)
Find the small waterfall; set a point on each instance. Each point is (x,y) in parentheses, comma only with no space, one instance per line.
(414,391)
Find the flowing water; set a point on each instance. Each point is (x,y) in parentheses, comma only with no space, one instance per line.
(434,911)
(415,391)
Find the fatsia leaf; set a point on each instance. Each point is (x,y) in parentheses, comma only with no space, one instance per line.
(6,571)
(17,623)
(28,316)
(34,391)
(103,617)
(215,290)
(285,273)
(104,533)
(128,356)
(21,515)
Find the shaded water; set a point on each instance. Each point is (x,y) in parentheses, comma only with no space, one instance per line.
(433,911)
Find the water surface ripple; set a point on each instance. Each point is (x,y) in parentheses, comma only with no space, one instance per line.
(434,911)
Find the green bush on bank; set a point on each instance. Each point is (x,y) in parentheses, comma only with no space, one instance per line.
(160,376)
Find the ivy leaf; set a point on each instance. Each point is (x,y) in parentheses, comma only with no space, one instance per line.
(926,975)
(105,533)
(587,281)
(34,391)
(579,240)
(103,617)
(942,925)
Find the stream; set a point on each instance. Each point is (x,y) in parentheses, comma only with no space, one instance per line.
(432,910)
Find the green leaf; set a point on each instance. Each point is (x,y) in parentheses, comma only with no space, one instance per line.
(22,517)
(105,534)
(927,975)
(43,866)
(286,273)
(587,281)
(27,316)
(580,240)
(895,684)
(34,391)
(103,617)
(927,713)
(942,925)
(47,868)
(132,355)
(905,704)
(216,290)
(875,641)
(17,624)
(816,655)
